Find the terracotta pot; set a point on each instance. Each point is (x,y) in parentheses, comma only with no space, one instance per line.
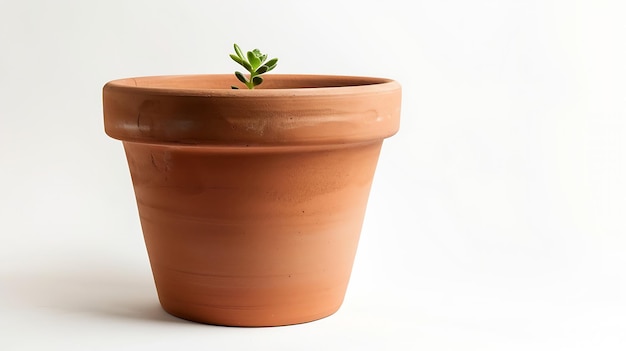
(251,202)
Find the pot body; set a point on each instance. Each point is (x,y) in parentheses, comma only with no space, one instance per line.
(246,230)
(251,238)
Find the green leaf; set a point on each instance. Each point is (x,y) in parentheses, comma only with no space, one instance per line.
(236,59)
(271,64)
(271,68)
(263,58)
(253,60)
(238,52)
(241,77)
(256,80)
(262,69)
(247,66)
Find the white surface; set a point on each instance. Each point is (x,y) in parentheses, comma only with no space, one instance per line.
(496,217)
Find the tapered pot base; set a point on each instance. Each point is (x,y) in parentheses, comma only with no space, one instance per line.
(243,318)
(251,236)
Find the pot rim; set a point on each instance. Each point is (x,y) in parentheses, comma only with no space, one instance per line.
(301,109)
(274,85)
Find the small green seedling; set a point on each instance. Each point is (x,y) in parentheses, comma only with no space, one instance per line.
(253,62)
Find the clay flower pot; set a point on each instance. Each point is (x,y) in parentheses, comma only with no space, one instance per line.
(251,201)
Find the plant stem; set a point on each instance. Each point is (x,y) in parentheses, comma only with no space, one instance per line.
(249,84)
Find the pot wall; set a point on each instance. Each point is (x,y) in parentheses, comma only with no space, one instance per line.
(251,237)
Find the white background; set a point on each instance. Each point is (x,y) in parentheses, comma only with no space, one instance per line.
(496,215)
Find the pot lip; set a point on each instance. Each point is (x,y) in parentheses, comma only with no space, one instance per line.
(312,109)
(308,85)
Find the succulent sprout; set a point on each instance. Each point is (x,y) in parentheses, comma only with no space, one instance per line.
(255,63)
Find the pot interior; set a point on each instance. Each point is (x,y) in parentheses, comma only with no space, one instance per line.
(271,81)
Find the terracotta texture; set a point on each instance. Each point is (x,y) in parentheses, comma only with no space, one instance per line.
(251,202)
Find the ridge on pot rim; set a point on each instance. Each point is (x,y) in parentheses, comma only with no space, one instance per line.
(287,110)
